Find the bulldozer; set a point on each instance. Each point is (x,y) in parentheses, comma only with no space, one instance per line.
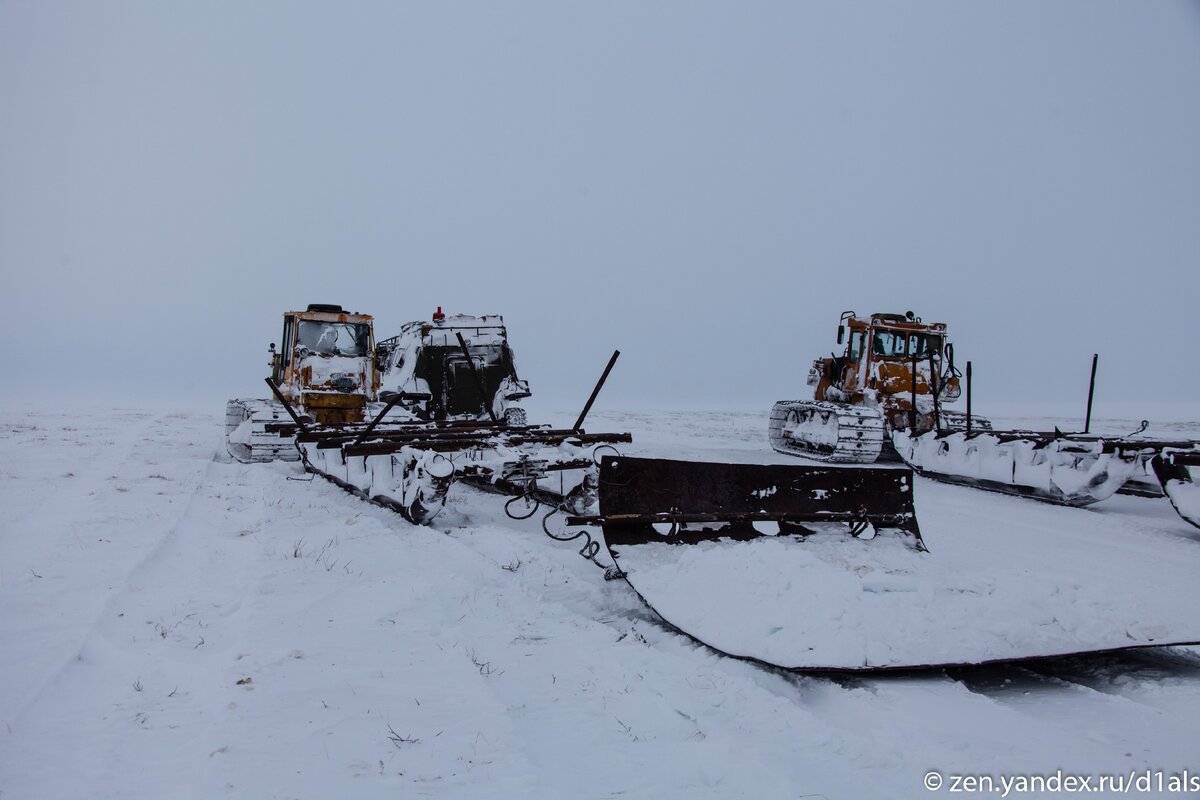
(895,373)
(399,422)
(324,368)
(884,397)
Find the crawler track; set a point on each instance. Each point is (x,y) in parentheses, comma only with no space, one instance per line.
(825,431)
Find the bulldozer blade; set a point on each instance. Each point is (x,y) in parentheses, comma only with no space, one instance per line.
(705,500)
(1174,472)
(762,563)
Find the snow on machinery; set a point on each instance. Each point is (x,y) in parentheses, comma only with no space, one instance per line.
(1176,469)
(885,393)
(324,368)
(819,568)
(825,567)
(1076,469)
(884,381)
(428,358)
(453,384)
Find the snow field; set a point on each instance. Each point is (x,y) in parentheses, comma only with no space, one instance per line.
(141,581)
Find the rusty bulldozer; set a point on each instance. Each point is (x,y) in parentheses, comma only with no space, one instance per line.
(885,395)
(324,370)
(399,422)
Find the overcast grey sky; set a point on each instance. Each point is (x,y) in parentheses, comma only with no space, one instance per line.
(702,185)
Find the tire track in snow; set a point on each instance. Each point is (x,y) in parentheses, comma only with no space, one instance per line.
(77,569)
(357,634)
(88,631)
(87,469)
(114,638)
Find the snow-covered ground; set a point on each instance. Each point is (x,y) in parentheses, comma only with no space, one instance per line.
(172,625)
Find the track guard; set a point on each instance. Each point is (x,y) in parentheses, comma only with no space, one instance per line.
(1064,469)
(1173,468)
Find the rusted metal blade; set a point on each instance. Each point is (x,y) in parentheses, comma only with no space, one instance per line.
(830,603)
(636,493)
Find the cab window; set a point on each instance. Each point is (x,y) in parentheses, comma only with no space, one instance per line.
(285,343)
(900,344)
(333,338)
(921,344)
(856,343)
(888,343)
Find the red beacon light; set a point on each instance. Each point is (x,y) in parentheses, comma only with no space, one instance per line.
(438,316)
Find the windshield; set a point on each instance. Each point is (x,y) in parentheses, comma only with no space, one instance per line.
(333,338)
(903,344)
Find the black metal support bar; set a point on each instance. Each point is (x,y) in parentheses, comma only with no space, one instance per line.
(968,398)
(367,430)
(434,446)
(933,387)
(384,447)
(397,438)
(599,438)
(599,385)
(750,516)
(912,412)
(475,374)
(287,406)
(1149,446)
(405,427)
(563,466)
(1087,423)
(1185,459)
(339,438)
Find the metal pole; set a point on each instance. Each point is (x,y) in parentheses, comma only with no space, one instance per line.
(912,412)
(374,422)
(475,374)
(968,398)
(1087,423)
(286,405)
(578,426)
(933,387)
